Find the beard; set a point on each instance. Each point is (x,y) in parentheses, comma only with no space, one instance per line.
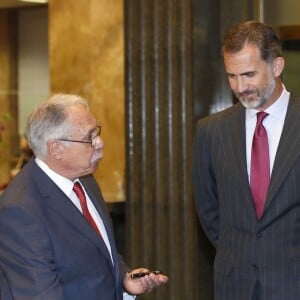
(255,98)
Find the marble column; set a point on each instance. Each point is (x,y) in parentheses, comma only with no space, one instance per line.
(87,58)
(8,93)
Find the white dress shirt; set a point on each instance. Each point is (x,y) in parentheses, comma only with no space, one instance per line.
(273,123)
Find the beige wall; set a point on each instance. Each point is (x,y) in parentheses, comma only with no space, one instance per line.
(282,12)
(33,68)
(8,95)
(87,58)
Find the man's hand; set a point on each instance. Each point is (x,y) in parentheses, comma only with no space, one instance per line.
(145,284)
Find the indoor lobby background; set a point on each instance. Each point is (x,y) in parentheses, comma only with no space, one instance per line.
(150,69)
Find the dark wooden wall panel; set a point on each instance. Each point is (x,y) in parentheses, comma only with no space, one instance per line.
(162,229)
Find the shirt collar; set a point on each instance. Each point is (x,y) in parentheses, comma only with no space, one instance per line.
(65,184)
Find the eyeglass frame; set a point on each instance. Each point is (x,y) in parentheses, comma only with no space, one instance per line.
(99,128)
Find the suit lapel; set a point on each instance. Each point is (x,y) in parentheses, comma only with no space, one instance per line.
(288,149)
(237,144)
(236,133)
(60,203)
(95,195)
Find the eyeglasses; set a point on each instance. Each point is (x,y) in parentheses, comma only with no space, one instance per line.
(98,132)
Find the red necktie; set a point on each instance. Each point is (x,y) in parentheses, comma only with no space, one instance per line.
(260,165)
(77,188)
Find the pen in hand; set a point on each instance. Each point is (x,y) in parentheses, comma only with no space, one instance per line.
(142,274)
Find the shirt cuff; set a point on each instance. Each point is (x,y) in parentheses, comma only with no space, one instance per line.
(126,296)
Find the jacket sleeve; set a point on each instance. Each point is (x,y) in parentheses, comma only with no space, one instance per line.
(26,258)
(5,292)
(204,182)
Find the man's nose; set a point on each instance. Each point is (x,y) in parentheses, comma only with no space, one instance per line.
(98,142)
(240,85)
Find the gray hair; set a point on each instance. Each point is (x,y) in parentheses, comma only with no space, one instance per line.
(49,120)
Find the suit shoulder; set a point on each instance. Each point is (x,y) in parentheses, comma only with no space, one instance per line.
(295,100)
(23,190)
(229,113)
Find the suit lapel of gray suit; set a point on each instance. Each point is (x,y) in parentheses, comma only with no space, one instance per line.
(237,143)
(236,136)
(288,149)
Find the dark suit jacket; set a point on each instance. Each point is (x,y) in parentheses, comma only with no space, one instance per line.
(247,250)
(5,293)
(48,251)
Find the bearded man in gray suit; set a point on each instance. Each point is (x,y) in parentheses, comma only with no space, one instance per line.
(257,244)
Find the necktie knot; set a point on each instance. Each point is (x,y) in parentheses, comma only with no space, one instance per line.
(260,129)
(260,117)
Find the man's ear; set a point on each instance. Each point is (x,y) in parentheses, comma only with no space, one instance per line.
(278,66)
(55,149)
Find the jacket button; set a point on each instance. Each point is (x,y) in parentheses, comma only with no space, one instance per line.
(260,235)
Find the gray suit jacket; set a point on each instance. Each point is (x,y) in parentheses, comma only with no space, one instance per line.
(247,250)
(48,251)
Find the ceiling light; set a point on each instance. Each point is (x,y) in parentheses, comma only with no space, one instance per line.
(34,1)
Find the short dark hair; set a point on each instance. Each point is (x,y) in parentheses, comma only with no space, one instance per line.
(253,32)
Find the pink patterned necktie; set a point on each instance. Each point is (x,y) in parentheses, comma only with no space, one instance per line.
(260,165)
(77,188)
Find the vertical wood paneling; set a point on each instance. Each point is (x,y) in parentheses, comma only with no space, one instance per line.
(161,223)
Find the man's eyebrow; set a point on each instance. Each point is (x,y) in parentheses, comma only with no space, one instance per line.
(241,74)
(248,73)
(89,133)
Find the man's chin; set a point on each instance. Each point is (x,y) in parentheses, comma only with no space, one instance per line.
(254,104)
